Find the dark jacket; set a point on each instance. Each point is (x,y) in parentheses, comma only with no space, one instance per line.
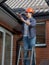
(31,29)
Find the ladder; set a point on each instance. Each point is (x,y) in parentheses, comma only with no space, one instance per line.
(32,57)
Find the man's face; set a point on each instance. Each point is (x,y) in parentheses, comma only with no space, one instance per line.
(28,14)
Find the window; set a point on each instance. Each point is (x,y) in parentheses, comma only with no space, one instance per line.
(40,33)
(7,49)
(1,46)
(6,46)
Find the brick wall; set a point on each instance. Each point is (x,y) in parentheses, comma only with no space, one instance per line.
(15,48)
(43,53)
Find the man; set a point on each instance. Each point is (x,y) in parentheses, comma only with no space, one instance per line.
(29,33)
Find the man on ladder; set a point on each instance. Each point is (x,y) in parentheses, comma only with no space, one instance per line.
(29,35)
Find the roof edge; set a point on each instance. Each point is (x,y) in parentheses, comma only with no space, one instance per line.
(9,10)
(36,15)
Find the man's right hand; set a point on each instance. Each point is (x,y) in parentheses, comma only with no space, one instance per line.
(19,15)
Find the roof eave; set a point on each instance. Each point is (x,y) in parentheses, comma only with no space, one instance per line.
(36,15)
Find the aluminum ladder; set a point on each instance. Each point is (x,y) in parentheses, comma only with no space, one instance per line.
(33,56)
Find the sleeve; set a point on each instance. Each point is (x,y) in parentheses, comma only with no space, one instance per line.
(33,23)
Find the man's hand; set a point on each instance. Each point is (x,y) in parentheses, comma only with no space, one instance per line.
(19,15)
(22,19)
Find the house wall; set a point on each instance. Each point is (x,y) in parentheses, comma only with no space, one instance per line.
(15,48)
(15,38)
(5,25)
(41,52)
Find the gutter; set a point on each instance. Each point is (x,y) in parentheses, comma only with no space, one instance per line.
(9,10)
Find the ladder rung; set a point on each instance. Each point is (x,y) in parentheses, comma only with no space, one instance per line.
(25,58)
(27,49)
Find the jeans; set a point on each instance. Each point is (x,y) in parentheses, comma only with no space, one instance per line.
(28,44)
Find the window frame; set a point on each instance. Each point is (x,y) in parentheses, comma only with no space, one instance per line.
(4,31)
(41,44)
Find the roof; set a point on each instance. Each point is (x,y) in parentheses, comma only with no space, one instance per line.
(37,5)
(11,18)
